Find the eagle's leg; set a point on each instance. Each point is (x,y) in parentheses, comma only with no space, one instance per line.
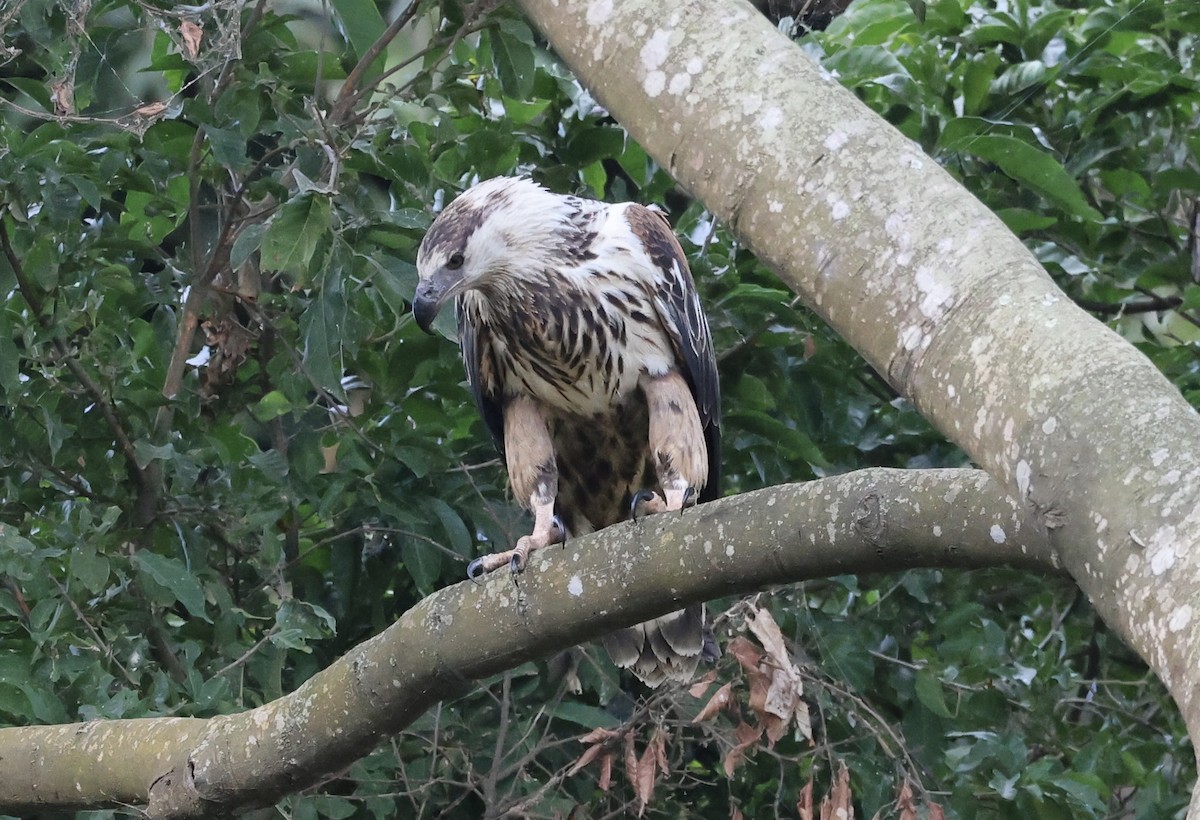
(533,474)
(677,443)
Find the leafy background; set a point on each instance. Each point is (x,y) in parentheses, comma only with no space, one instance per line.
(260,177)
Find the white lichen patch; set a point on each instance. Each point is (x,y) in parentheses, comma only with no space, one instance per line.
(654,52)
(695,65)
(839,210)
(937,531)
(936,295)
(775,206)
(599,11)
(680,83)
(771,119)
(1049,426)
(1180,618)
(1024,473)
(1159,456)
(836,140)
(654,83)
(1161,551)
(997,533)
(575,586)
(729,550)
(708,545)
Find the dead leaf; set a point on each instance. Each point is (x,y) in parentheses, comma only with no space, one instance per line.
(599,735)
(736,814)
(605,781)
(776,688)
(150,109)
(715,704)
(631,761)
(647,775)
(905,804)
(838,805)
(192,35)
(659,743)
(746,736)
(698,688)
(804,803)
(745,651)
(589,754)
(935,812)
(64,97)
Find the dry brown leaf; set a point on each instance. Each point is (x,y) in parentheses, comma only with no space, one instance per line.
(631,761)
(746,652)
(647,775)
(659,744)
(838,805)
(804,803)
(698,688)
(746,736)
(599,735)
(715,704)
(776,690)
(762,624)
(64,97)
(192,35)
(736,814)
(150,109)
(935,812)
(905,803)
(589,754)
(605,781)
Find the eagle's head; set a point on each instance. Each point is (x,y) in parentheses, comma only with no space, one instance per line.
(497,228)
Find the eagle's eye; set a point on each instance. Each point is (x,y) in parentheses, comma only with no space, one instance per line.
(455,261)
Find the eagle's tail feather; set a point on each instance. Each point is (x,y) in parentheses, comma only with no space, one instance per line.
(669,647)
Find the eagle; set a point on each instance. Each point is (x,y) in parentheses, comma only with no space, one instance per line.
(591,362)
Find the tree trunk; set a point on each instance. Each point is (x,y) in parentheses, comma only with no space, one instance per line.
(930,287)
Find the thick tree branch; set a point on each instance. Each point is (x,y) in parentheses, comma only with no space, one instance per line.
(870,521)
(933,290)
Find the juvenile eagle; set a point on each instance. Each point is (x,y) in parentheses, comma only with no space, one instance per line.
(591,362)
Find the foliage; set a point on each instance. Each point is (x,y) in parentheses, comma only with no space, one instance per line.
(199,201)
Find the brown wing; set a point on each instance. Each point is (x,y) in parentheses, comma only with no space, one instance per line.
(682,316)
(481,370)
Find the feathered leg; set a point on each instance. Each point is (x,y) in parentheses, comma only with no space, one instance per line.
(677,443)
(669,647)
(533,474)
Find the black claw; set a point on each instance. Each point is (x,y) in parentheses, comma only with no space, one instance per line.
(562,529)
(688,495)
(639,498)
(475,569)
(516,566)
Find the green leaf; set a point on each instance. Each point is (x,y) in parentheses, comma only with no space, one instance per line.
(513,57)
(1031,166)
(584,715)
(172,575)
(930,694)
(294,234)
(363,25)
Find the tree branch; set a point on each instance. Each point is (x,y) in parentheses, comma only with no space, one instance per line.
(870,521)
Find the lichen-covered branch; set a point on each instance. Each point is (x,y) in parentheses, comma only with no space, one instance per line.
(869,521)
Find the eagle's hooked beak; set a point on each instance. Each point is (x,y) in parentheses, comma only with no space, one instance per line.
(432,293)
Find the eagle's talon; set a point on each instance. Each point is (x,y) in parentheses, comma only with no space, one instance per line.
(689,496)
(475,570)
(558,531)
(643,496)
(516,565)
